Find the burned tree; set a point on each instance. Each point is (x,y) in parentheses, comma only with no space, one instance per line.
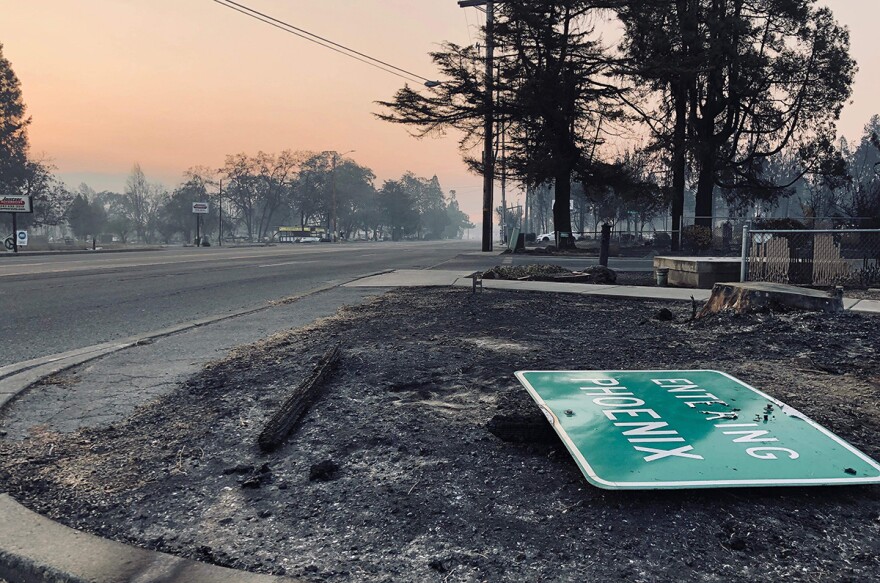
(740,81)
(551,91)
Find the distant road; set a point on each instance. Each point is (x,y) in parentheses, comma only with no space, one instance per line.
(52,304)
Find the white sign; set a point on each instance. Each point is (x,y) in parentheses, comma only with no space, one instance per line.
(15,204)
(200,208)
(22,238)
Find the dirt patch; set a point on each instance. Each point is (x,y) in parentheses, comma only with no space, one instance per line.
(521,271)
(393,476)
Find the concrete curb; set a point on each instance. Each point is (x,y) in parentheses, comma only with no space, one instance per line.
(604,291)
(458,278)
(35,549)
(637,292)
(17,378)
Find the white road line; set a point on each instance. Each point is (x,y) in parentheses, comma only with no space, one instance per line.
(76,268)
(287,263)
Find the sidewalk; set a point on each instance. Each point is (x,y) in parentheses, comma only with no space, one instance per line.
(436,278)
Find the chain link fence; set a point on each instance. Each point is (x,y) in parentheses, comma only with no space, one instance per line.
(820,257)
(723,237)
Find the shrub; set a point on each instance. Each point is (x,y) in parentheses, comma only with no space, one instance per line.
(779,224)
(662,239)
(696,238)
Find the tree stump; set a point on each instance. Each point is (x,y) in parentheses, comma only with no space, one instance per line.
(758,296)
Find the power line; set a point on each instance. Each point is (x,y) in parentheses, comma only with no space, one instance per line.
(281,26)
(324,42)
(468,25)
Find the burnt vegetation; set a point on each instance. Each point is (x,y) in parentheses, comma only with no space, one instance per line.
(397,472)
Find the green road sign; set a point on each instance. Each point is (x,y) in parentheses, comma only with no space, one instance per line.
(647,430)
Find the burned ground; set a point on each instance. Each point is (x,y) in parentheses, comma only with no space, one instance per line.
(393,476)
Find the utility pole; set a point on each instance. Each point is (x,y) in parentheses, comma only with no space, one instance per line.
(528,216)
(503,184)
(220,224)
(336,155)
(489,121)
(333,183)
(14,233)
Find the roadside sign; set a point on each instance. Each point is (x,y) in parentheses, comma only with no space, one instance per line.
(650,430)
(201,208)
(22,238)
(514,237)
(16,204)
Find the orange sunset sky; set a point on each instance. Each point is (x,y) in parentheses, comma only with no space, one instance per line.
(177,83)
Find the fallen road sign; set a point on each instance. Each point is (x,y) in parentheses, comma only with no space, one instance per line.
(652,430)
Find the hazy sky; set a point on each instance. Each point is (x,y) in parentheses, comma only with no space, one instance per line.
(177,83)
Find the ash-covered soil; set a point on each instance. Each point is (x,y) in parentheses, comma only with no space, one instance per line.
(393,476)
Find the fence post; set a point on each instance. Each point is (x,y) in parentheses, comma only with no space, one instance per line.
(604,245)
(744,266)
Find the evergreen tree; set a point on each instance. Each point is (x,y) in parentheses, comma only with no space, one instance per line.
(14,168)
(741,80)
(551,95)
(86,218)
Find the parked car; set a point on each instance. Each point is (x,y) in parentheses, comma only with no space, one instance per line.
(549,237)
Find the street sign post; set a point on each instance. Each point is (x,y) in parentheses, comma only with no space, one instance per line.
(21,238)
(648,430)
(15,205)
(199,209)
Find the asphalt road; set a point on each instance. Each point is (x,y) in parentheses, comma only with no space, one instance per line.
(57,303)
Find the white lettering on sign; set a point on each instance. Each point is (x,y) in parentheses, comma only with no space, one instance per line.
(619,402)
(647,429)
(749,433)
(688,388)
(716,415)
(750,436)
(612,413)
(625,409)
(755,452)
(600,382)
(609,393)
(659,454)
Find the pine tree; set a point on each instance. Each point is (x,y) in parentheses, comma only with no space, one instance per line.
(741,81)
(551,94)
(14,168)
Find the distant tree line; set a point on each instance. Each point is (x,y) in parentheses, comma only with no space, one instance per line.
(257,193)
(263,192)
